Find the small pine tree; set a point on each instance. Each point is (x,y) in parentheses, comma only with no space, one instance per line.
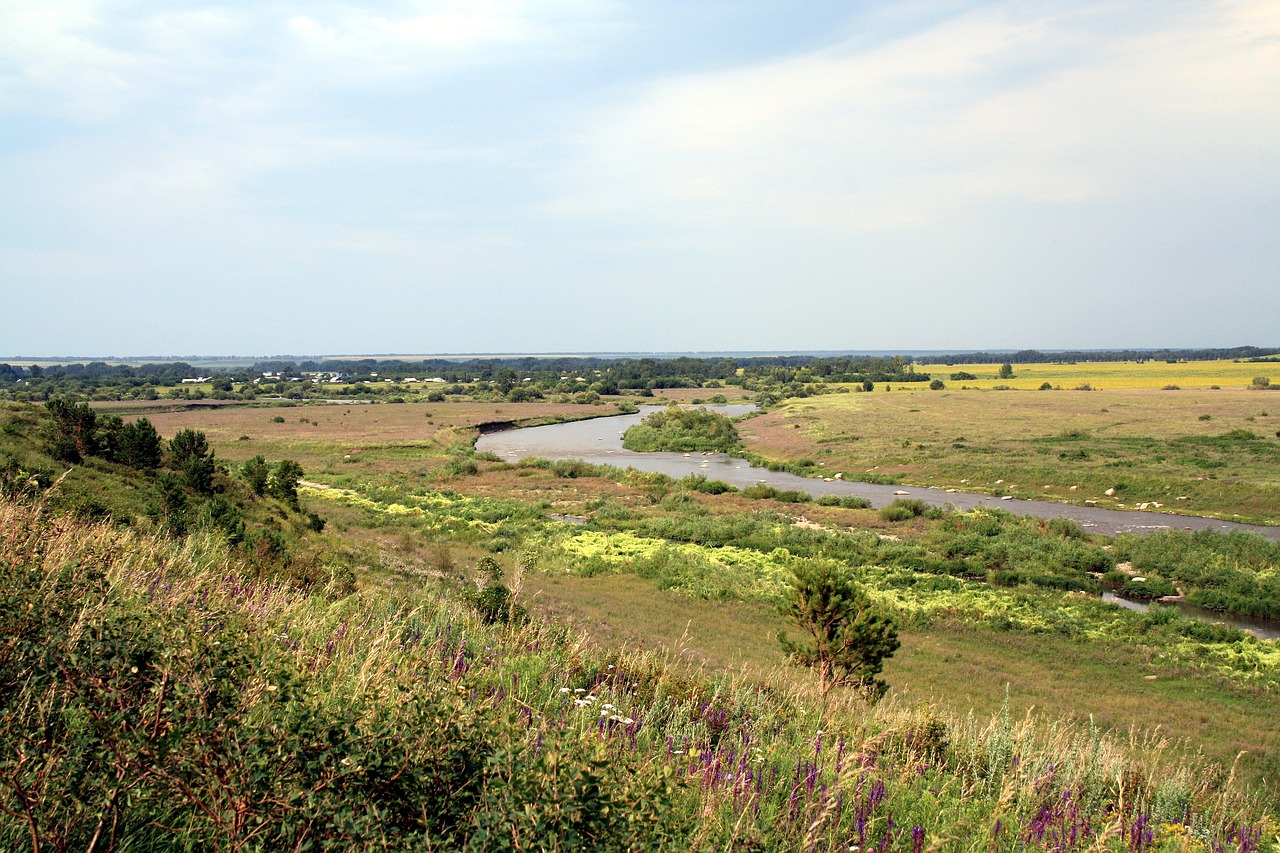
(849,638)
(256,473)
(284,481)
(186,445)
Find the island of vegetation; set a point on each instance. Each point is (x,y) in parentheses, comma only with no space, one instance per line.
(683,430)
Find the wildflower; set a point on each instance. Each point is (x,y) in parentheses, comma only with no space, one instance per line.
(133,669)
(564,690)
(579,690)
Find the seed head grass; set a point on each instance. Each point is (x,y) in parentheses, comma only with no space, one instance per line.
(242,713)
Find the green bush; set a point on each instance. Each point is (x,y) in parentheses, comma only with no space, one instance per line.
(700,483)
(845,501)
(1148,589)
(1068,528)
(902,509)
(683,431)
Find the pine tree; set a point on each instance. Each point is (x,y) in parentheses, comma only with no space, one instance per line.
(849,638)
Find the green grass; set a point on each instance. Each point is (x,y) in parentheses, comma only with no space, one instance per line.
(176,702)
(676,568)
(1153,448)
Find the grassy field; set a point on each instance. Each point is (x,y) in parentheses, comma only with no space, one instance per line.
(1195,451)
(335,437)
(959,664)
(1118,375)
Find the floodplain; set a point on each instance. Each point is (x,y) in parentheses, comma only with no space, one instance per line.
(1023,711)
(966,649)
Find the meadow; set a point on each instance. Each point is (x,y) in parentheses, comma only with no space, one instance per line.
(161,696)
(1193,451)
(1023,713)
(651,545)
(1112,375)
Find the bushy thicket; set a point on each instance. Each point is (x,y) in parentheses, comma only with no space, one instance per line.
(1231,572)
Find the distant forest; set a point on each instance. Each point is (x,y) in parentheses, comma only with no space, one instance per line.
(528,377)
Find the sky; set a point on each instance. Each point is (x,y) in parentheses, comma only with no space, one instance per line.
(499,176)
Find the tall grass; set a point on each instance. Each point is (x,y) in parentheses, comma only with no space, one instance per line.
(157,695)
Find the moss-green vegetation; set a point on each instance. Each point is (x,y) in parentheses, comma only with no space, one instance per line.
(683,431)
(1230,572)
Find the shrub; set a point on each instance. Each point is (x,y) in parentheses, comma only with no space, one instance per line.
(700,483)
(1068,528)
(759,491)
(903,509)
(571,469)
(937,385)
(1148,589)
(844,501)
(494,601)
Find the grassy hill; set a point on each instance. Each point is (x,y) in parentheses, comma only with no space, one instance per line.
(158,694)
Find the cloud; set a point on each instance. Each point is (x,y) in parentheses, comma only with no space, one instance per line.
(1059,107)
(92,60)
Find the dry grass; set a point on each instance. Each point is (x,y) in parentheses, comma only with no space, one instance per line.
(1042,443)
(317,435)
(1111,375)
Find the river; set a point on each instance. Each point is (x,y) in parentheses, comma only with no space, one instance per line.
(599,442)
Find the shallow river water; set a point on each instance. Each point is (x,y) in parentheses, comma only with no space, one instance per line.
(599,441)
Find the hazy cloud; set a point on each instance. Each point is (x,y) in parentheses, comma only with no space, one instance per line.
(587,174)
